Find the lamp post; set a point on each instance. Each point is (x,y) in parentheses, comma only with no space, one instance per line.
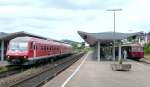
(114,10)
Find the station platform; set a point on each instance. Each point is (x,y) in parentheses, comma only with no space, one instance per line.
(87,72)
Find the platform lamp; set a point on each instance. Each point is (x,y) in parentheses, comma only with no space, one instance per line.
(114,10)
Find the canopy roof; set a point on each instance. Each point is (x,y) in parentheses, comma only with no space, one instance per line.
(105,37)
(9,36)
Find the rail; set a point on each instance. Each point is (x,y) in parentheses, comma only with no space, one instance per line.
(38,76)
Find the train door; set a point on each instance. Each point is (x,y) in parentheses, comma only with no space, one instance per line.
(34,50)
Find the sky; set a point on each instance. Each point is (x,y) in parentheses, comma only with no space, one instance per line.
(61,19)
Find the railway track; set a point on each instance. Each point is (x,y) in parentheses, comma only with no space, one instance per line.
(12,70)
(35,77)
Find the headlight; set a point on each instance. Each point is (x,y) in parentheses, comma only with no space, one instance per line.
(25,56)
(8,56)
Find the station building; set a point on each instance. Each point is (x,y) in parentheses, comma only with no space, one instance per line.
(103,43)
(6,37)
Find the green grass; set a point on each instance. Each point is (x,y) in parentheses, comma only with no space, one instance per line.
(147,56)
(6,68)
(147,49)
(3,69)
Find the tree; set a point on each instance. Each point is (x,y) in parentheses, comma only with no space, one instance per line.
(147,48)
(148,33)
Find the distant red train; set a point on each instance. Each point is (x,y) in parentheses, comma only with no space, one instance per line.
(134,51)
(30,50)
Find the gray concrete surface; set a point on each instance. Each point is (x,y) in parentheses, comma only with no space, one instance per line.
(145,60)
(4,63)
(99,74)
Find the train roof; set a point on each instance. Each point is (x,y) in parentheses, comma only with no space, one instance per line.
(27,38)
(10,36)
(21,38)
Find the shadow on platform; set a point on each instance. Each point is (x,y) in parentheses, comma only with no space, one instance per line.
(94,58)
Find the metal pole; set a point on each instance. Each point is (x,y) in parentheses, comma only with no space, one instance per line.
(114,10)
(114,22)
(114,40)
(114,51)
(98,51)
(119,51)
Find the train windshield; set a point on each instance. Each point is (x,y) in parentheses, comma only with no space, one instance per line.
(18,46)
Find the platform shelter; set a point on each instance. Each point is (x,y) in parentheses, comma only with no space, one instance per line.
(105,42)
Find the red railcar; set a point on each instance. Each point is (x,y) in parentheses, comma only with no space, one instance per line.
(135,51)
(29,50)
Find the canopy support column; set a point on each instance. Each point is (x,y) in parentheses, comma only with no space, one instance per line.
(98,51)
(113,51)
(2,50)
(119,48)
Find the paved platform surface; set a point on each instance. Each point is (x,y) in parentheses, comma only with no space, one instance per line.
(145,60)
(4,63)
(99,74)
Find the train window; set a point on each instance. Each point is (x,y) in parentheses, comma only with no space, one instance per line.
(141,49)
(41,47)
(134,48)
(21,46)
(34,47)
(45,48)
(31,45)
(49,48)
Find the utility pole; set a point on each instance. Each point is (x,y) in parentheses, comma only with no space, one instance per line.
(114,10)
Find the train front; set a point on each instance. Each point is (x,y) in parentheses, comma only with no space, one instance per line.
(17,51)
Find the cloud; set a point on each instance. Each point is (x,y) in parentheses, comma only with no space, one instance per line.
(36,3)
(85,4)
(60,19)
(67,4)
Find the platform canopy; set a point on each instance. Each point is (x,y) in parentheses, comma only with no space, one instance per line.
(9,36)
(105,37)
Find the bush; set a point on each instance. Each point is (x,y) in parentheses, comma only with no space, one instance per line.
(147,48)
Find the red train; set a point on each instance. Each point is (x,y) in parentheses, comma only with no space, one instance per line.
(30,50)
(134,51)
